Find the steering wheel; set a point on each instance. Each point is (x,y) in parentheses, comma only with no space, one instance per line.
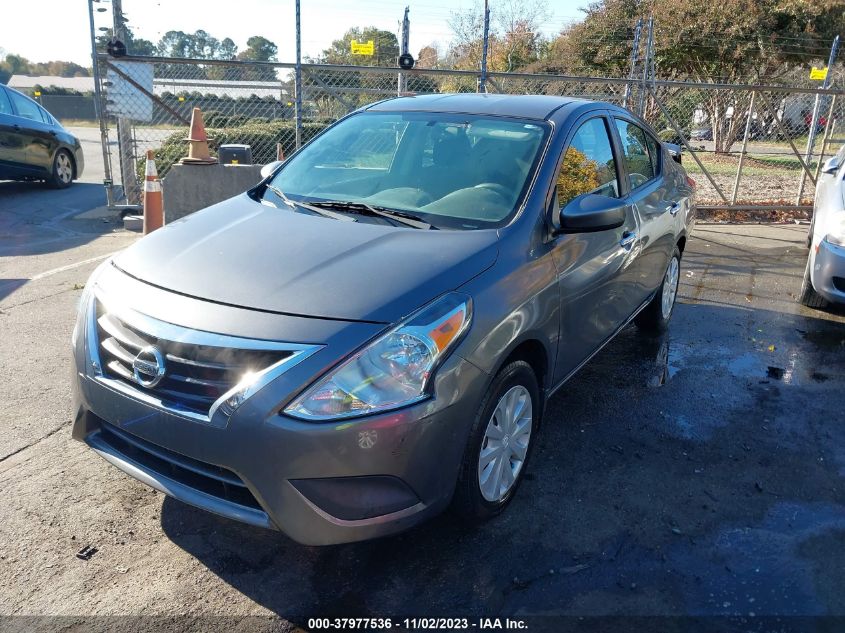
(496,188)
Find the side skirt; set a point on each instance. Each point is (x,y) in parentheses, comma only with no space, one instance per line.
(553,390)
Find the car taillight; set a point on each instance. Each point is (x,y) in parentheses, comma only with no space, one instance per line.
(691,182)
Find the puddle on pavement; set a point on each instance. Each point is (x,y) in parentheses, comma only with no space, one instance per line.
(827,339)
(790,368)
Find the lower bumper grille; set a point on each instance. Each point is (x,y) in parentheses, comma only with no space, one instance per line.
(207,478)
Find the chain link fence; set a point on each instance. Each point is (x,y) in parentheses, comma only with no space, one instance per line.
(746,146)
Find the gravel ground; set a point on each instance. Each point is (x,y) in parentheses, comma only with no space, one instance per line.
(698,473)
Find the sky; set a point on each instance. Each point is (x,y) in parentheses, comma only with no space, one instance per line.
(63,33)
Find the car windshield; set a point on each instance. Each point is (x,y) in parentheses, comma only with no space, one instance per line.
(454,171)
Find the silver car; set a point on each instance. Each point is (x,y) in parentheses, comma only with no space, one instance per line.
(372,333)
(824,275)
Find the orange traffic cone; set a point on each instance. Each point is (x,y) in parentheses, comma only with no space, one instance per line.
(198,151)
(153,201)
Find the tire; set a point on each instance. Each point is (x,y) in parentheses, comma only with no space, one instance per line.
(63,168)
(809,297)
(655,316)
(473,500)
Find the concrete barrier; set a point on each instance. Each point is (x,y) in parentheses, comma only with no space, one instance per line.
(189,188)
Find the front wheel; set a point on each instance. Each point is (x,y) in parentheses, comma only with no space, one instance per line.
(809,297)
(62,175)
(655,316)
(499,444)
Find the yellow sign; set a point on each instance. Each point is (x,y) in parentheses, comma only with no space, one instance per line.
(818,73)
(181,98)
(37,93)
(363,48)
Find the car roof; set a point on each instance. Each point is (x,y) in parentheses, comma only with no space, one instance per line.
(523,106)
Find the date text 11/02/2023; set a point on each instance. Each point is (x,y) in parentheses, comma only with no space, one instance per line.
(416,624)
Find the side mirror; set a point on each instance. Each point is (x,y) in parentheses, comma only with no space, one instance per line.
(269,168)
(831,165)
(591,212)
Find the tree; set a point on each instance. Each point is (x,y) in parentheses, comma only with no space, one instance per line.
(514,39)
(259,49)
(518,41)
(427,57)
(385,45)
(730,41)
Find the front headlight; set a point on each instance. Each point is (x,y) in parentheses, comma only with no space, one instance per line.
(392,371)
(85,300)
(836,231)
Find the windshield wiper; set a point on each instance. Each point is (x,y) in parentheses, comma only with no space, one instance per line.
(402,217)
(293,204)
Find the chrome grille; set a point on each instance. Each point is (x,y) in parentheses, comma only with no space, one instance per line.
(195,376)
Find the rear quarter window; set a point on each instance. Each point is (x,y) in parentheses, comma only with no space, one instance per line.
(5,104)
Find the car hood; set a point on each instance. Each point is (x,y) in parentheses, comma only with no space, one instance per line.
(243,253)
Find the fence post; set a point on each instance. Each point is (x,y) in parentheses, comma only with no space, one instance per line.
(744,147)
(485,42)
(646,66)
(635,54)
(402,81)
(100,113)
(811,137)
(826,137)
(298,79)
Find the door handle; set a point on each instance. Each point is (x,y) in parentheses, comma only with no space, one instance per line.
(674,208)
(54,133)
(16,127)
(628,240)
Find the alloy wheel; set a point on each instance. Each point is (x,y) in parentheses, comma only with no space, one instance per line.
(64,168)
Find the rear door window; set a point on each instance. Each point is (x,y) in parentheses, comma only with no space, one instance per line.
(25,108)
(640,152)
(5,104)
(588,165)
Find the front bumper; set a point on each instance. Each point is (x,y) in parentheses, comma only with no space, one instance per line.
(320,483)
(79,159)
(828,272)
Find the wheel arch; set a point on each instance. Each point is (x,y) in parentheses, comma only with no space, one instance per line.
(531,350)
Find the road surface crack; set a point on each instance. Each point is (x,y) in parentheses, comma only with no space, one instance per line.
(34,442)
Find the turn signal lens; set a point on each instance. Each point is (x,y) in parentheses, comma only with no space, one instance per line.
(392,371)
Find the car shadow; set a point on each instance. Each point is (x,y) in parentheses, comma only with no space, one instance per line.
(674,474)
(8,286)
(35,219)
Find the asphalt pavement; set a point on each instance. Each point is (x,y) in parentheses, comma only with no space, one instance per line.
(697,473)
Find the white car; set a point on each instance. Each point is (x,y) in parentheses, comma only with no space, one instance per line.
(824,276)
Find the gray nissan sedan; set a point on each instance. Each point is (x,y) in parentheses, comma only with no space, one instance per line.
(372,333)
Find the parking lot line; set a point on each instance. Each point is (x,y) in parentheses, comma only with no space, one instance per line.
(61,269)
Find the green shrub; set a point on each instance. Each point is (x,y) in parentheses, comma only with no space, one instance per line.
(261,136)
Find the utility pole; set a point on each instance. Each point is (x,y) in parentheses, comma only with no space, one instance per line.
(99,111)
(635,55)
(482,83)
(647,65)
(131,190)
(297,79)
(814,119)
(402,81)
